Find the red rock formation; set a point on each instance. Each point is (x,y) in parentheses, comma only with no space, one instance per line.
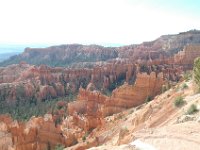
(187,56)
(94,106)
(128,96)
(38,133)
(44,82)
(164,45)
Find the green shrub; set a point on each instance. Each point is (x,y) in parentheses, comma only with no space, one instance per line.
(85,136)
(179,101)
(185,86)
(148,99)
(59,147)
(192,109)
(196,70)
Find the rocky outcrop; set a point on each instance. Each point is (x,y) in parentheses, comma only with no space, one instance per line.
(164,46)
(95,106)
(187,56)
(5,136)
(127,96)
(38,133)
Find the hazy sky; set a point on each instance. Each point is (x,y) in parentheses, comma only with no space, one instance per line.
(94,21)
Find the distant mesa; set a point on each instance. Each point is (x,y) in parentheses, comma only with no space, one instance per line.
(77,55)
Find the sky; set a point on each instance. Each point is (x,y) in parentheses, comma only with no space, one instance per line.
(94,21)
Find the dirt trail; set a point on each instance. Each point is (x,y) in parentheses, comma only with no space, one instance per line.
(182,136)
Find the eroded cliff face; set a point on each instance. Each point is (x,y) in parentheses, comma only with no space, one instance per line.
(5,136)
(84,114)
(127,96)
(24,81)
(187,56)
(184,58)
(165,46)
(95,106)
(37,134)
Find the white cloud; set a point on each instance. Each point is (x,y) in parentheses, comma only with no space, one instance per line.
(87,21)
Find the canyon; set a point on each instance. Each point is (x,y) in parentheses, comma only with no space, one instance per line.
(126,89)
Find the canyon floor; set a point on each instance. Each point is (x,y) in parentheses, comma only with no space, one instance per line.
(157,125)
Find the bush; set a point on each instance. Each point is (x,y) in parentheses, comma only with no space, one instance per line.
(148,99)
(185,86)
(59,147)
(85,136)
(192,109)
(196,70)
(179,101)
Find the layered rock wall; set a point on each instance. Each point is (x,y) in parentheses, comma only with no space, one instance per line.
(187,56)
(127,96)
(25,81)
(38,133)
(95,106)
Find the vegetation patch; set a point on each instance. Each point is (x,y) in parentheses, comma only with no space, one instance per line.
(148,99)
(185,86)
(85,136)
(192,109)
(59,147)
(23,110)
(196,70)
(179,101)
